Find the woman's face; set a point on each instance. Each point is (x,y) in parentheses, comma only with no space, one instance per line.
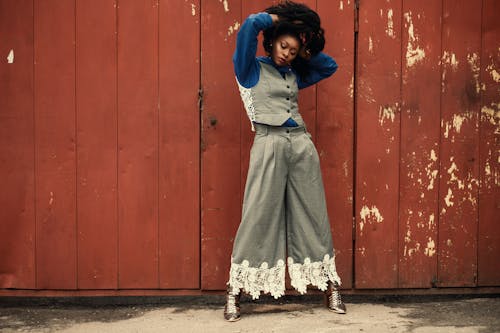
(285,49)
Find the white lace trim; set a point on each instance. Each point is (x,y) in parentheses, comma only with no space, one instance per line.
(247,98)
(254,281)
(316,273)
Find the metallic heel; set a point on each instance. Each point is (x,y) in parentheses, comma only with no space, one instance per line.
(333,300)
(232,308)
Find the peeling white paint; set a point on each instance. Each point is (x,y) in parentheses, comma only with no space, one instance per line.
(487,169)
(447,127)
(341,6)
(367,215)
(431,221)
(414,53)
(493,72)
(473,60)
(366,91)
(387,113)
(449,242)
(370,44)
(430,250)
(193,9)
(233,28)
(346,170)
(448,198)
(51,199)
(453,177)
(492,116)
(433,155)
(450,58)
(381,13)
(408,235)
(430,171)
(458,120)
(408,251)
(351,88)
(10,57)
(225,4)
(390,25)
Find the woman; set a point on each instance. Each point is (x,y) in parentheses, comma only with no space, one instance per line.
(284,210)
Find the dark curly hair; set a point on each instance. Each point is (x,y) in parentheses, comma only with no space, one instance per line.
(301,22)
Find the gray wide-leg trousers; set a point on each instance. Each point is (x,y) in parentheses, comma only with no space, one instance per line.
(284,216)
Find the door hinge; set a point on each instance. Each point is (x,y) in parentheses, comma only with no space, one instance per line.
(356,15)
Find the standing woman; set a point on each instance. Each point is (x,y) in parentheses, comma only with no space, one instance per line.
(284,216)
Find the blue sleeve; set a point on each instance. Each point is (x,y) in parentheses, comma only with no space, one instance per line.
(246,66)
(321,66)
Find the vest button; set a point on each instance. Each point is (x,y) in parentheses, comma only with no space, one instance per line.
(288,111)
(288,131)
(288,98)
(288,87)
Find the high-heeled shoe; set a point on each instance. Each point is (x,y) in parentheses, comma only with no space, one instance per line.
(333,300)
(232,307)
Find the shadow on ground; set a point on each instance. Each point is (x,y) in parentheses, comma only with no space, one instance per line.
(50,314)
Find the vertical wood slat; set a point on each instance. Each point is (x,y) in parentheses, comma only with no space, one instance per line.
(458,190)
(97,146)
(377,155)
(220,182)
(420,134)
(334,125)
(179,75)
(17,213)
(55,137)
(489,154)
(307,97)
(247,136)
(138,144)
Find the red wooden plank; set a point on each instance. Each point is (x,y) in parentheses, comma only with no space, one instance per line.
(220,181)
(489,155)
(335,120)
(17,216)
(377,156)
(248,7)
(307,97)
(179,144)
(458,190)
(55,144)
(97,148)
(420,132)
(138,144)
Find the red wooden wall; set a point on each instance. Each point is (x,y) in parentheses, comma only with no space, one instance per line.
(124,145)
(100,145)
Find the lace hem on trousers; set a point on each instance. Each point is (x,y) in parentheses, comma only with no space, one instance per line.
(265,279)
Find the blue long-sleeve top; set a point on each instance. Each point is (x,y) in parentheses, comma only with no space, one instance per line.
(247,65)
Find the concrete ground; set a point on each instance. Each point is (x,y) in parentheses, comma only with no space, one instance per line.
(417,314)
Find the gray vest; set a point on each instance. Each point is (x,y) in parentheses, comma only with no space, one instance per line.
(273,99)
